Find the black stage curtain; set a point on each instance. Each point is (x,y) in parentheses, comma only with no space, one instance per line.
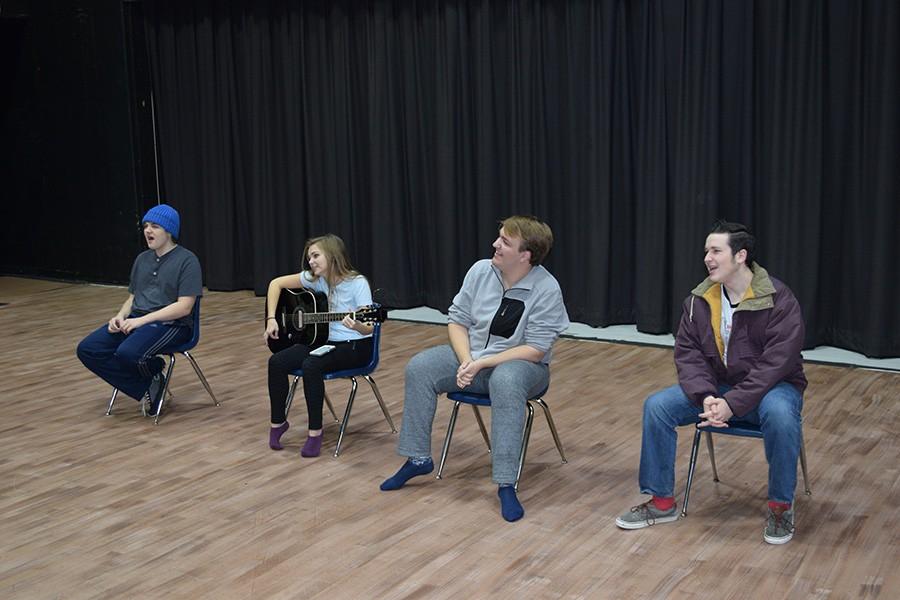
(410,128)
(67,155)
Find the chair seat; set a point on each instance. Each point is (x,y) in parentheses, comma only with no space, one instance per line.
(480,399)
(345,374)
(470,398)
(738,428)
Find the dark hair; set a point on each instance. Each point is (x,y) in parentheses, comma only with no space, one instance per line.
(739,238)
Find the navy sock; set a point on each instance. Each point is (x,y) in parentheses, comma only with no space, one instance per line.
(510,507)
(409,470)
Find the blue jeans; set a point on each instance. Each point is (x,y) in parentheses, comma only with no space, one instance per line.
(124,361)
(778,416)
(509,384)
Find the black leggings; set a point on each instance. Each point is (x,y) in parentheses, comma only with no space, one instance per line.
(346,355)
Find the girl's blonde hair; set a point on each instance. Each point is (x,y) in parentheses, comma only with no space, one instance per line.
(339,267)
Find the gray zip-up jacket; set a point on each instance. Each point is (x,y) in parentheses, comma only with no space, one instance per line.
(530,313)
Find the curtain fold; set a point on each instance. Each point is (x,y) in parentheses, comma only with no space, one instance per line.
(411,128)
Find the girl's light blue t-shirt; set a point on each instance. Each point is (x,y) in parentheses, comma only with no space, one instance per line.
(347,296)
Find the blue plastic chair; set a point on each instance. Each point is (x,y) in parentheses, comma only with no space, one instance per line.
(351,374)
(476,400)
(737,429)
(183,349)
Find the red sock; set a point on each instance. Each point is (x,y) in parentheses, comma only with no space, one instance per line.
(663,503)
(779,506)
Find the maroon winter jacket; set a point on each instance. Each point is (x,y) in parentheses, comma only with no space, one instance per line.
(767,333)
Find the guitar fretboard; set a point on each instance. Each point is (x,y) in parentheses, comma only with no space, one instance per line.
(313,318)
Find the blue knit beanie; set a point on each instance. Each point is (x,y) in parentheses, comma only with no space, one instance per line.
(165,216)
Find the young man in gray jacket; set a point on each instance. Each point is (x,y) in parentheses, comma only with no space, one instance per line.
(503,322)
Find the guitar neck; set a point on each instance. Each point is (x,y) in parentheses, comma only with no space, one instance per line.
(326,317)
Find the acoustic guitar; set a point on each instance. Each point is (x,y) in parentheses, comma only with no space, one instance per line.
(302,316)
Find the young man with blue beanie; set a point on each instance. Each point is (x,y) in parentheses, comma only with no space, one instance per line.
(165,282)
(166,217)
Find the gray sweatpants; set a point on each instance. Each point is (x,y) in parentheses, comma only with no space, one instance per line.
(509,384)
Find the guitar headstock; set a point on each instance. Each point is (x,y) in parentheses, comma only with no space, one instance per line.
(373,313)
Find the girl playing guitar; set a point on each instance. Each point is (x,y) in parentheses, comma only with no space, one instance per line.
(331,273)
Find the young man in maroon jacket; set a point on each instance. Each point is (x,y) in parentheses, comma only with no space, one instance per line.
(737,353)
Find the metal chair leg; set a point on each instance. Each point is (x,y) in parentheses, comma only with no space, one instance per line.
(201,376)
(115,394)
(712,458)
(290,398)
(353,386)
(803,466)
(712,455)
(111,400)
(484,433)
(690,478)
(165,389)
(552,425)
(453,414)
(378,397)
(331,408)
(526,435)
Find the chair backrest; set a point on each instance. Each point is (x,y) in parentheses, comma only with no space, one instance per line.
(195,334)
(376,348)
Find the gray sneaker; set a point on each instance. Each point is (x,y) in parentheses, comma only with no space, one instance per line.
(779,526)
(645,515)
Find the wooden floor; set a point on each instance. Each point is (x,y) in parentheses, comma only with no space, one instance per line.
(199,507)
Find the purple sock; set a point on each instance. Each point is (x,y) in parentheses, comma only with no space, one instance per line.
(275,434)
(312,447)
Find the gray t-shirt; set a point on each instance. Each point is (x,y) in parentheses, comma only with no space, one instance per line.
(158,281)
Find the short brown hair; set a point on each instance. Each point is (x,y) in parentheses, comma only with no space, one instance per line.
(536,236)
